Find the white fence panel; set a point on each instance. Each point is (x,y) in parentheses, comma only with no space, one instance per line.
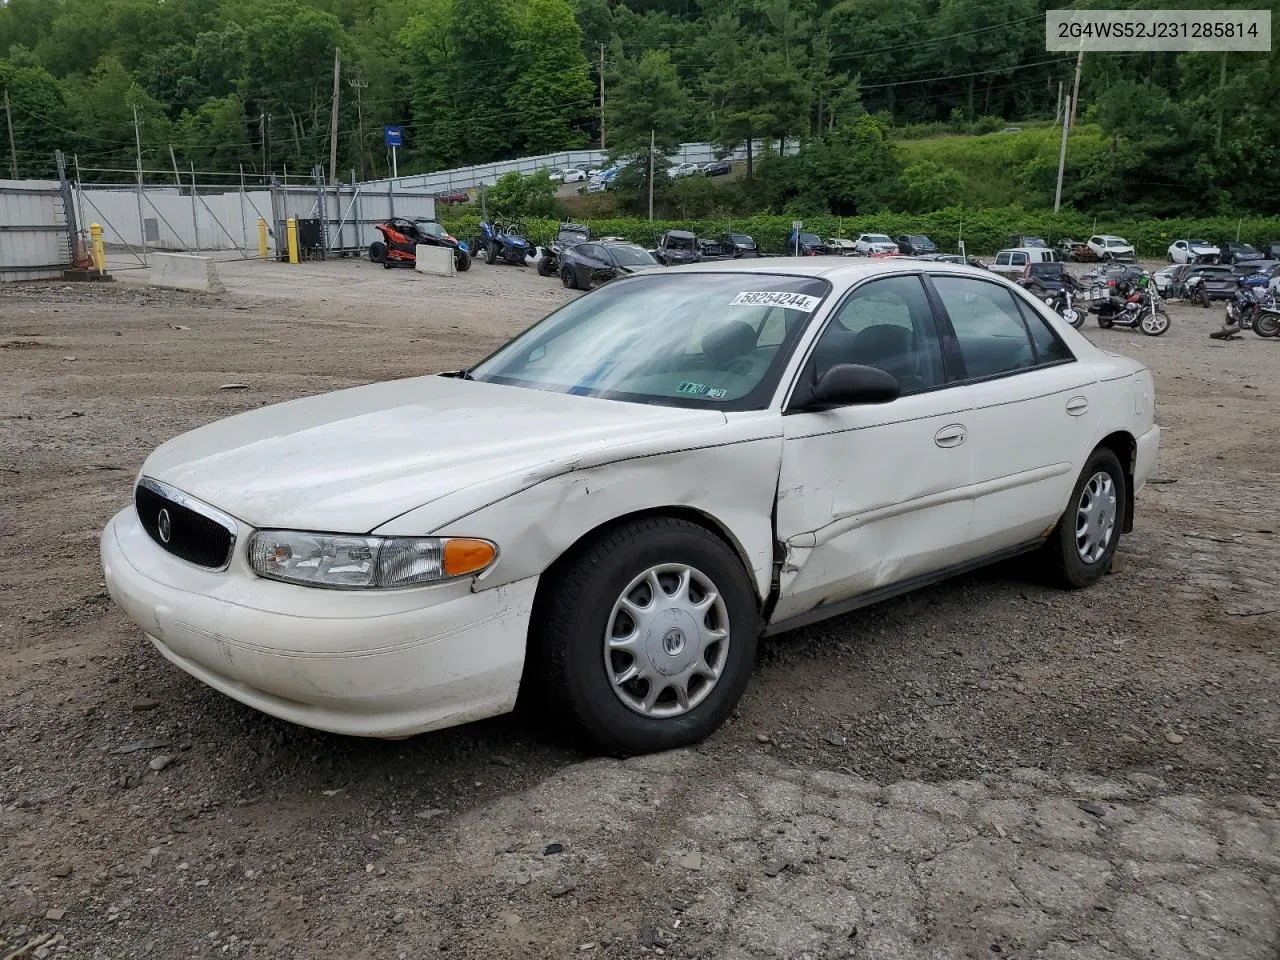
(170,221)
(34,239)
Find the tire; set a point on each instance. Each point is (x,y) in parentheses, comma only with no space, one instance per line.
(461,261)
(388,264)
(1155,324)
(1062,553)
(568,278)
(572,670)
(490,253)
(1267,325)
(377,252)
(1105,323)
(545,267)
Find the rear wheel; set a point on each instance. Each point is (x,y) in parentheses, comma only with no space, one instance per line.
(461,261)
(646,639)
(377,252)
(1081,546)
(1267,325)
(491,253)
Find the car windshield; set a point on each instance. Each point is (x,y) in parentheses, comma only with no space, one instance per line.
(1115,242)
(430,228)
(693,340)
(877,238)
(1198,243)
(630,255)
(1046,269)
(740,238)
(918,238)
(679,243)
(810,238)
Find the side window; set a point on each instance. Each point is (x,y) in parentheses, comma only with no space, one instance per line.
(1002,259)
(886,324)
(989,330)
(1049,349)
(591,251)
(1018,259)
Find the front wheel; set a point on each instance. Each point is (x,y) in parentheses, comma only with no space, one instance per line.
(491,253)
(646,639)
(462,261)
(1155,323)
(1267,325)
(377,252)
(1081,546)
(1073,317)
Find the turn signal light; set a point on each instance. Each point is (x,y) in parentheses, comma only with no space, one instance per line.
(463,556)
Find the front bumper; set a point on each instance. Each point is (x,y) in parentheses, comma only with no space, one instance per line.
(364,663)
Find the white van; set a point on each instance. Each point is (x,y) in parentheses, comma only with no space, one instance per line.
(1012,262)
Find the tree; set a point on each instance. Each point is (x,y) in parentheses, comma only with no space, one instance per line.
(39,108)
(515,195)
(554,88)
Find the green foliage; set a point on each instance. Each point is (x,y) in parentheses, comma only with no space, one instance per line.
(983,232)
(38,107)
(515,195)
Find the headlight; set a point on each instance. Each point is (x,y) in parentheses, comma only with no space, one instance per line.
(353,562)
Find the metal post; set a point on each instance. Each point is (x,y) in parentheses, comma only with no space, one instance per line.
(176,179)
(651,144)
(75,158)
(602,96)
(195,224)
(1075,87)
(244,226)
(1062,155)
(142,227)
(13,151)
(395,169)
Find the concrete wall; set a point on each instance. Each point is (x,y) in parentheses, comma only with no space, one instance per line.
(185,271)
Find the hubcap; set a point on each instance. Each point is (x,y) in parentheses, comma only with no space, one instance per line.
(667,641)
(1096,517)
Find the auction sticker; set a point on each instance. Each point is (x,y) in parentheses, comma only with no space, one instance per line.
(776,298)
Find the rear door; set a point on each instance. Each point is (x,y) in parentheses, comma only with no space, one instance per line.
(1034,410)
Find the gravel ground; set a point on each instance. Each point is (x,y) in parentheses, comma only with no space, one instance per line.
(984,768)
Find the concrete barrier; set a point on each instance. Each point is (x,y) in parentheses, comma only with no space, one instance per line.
(182,271)
(437,261)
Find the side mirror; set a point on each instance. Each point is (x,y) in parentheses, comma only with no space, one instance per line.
(846,384)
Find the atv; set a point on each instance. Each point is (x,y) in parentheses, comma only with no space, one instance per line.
(549,257)
(400,239)
(505,241)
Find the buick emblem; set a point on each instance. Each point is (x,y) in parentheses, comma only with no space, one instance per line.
(673,642)
(163,526)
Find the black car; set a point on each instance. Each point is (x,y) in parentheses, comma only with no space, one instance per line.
(741,244)
(677,247)
(1248,268)
(716,249)
(567,235)
(717,168)
(914,244)
(1238,253)
(1271,251)
(808,245)
(1044,279)
(1218,281)
(587,265)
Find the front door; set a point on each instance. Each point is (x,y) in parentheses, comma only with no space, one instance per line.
(872,495)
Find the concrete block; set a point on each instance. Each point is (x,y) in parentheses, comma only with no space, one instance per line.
(182,271)
(437,261)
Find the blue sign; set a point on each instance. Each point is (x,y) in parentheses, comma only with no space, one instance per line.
(392,136)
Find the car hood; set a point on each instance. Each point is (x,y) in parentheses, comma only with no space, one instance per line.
(351,460)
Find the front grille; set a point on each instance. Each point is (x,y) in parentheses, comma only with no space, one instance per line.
(192,536)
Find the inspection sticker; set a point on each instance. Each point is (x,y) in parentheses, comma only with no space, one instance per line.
(775,298)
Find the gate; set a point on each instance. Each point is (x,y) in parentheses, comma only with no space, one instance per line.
(36,233)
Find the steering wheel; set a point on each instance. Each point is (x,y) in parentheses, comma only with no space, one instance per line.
(743,366)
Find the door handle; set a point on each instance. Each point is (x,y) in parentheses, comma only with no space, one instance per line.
(1077,406)
(952,435)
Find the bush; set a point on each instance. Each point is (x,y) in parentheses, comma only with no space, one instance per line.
(983,231)
(515,195)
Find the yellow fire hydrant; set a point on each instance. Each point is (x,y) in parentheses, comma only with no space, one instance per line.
(262,239)
(97,250)
(293,240)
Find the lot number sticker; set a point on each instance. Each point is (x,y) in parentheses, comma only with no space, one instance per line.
(768,298)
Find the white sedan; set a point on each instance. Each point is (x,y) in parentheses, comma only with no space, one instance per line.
(679,170)
(568,175)
(608,513)
(1193,251)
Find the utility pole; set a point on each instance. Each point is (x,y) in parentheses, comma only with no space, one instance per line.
(333,120)
(1057,111)
(602,96)
(1222,87)
(1075,87)
(1062,154)
(13,151)
(359,85)
(651,145)
(137,141)
(176,179)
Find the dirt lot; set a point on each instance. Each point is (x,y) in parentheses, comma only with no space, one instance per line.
(984,768)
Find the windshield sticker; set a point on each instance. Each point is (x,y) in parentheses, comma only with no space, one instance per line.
(765,298)
(691,389)
(715,393)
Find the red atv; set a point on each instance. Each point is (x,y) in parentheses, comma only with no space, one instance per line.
(400,239)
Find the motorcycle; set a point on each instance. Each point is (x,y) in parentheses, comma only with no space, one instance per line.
(1063,305)
(1266,323)
(1134,304)
(504,241)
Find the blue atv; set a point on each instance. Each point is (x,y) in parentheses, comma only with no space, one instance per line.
(504,241)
